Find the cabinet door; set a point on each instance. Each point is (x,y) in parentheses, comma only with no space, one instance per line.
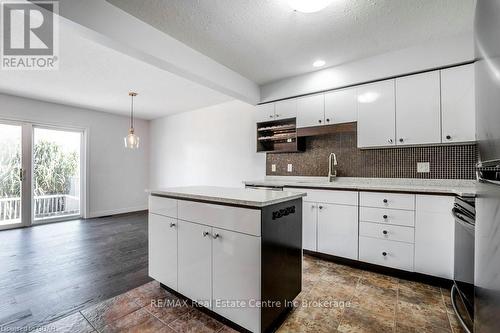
(265,112)
(236,276)
(434,236)
(311,111)
(341,106)
(286,109)
(458,104)
(418,109)
(195,262)
(162,244)
(338,230)
(309,225)
(376,114)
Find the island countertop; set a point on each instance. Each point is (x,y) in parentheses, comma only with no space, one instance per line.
(228,195)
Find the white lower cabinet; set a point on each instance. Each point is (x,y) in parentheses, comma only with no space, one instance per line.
(195,262)
(434,236)
(338,230)
(386,253)
(236,276)
(309,226)
(162,235)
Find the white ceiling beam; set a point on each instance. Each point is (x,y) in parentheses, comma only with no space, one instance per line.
(102,22)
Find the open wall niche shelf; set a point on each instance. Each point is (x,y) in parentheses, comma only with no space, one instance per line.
(279,136)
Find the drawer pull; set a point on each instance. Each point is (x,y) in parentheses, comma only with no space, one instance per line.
(320,207)
(384,254)
(172,225)
(385,200)
(385,232)
(385,217)
(205,233)
(215,236)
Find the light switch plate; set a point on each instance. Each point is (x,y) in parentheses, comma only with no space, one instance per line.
(423,167)
(273,167)
(289,167)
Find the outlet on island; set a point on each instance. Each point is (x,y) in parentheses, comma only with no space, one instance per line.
(289,167)
(273,167)
(423,167)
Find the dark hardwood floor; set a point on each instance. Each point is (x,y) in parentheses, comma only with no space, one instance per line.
(50,271)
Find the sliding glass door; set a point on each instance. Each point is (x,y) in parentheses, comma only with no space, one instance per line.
(56,174)
(40,174)
(11,175)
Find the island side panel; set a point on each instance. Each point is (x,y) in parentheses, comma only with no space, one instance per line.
(281,263)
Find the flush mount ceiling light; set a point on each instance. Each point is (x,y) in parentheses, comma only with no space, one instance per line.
(308,6)
(131,140)
(319,63)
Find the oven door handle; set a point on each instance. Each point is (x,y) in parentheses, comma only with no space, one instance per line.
(461,220)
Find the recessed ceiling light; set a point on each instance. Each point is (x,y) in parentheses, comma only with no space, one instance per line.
(319,63)
(309,6)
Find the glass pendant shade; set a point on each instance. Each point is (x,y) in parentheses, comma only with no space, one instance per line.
(131,140)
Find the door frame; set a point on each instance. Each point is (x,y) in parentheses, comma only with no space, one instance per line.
(27,217)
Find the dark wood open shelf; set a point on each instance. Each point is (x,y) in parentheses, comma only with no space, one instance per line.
(279,136)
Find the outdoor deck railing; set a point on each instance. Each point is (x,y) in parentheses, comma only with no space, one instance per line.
(44,206)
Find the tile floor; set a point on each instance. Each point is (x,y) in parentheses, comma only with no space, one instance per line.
(335,298)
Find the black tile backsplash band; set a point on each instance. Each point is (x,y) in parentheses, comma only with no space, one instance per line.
(446,161)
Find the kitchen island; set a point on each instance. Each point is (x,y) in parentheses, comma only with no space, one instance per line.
(235,251)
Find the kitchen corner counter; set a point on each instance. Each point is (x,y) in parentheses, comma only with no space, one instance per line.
(426,186)
(228,195)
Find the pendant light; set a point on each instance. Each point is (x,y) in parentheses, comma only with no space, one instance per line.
(131,140)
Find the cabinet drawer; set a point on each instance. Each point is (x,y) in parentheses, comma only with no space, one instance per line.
(163,206)
(332,197)
(387,200)
(385,231)
(397,255)
(388,216)
(225,217)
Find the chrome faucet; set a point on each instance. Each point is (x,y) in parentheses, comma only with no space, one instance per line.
(332,167)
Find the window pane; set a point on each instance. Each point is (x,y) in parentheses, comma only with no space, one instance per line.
(10,167)
(56,171)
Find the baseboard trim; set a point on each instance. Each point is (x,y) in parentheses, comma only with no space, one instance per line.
(412,276)
(117,211)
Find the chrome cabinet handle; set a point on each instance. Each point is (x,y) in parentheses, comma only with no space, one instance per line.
(390,141)
(384,254)
(385,217)
(385,232)
(385,201)
(205,233)
(401,140)
(448,137)
(172,225)
(215,236)
(320,207)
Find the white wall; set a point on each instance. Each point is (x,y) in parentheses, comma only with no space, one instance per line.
(117,177)
(209,146)
(456,50)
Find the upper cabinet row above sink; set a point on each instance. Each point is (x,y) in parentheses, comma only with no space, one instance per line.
(428,108)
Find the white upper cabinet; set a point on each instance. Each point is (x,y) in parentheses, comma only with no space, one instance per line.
(311,111)
(265,112)
(285,109)
(376,114)
(418,119)
(341,106)
(457,104)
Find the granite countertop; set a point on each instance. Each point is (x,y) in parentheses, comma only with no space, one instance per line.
(228,195)
(431,186)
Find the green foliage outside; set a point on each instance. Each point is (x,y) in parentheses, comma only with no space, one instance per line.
(53,169)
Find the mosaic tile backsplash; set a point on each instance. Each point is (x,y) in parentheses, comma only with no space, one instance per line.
(446,162)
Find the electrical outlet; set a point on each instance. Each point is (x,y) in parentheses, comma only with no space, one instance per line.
(423,167)
(289,167)
(273,167)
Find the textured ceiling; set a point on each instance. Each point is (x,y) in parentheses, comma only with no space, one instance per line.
(93,76)
(265,40)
